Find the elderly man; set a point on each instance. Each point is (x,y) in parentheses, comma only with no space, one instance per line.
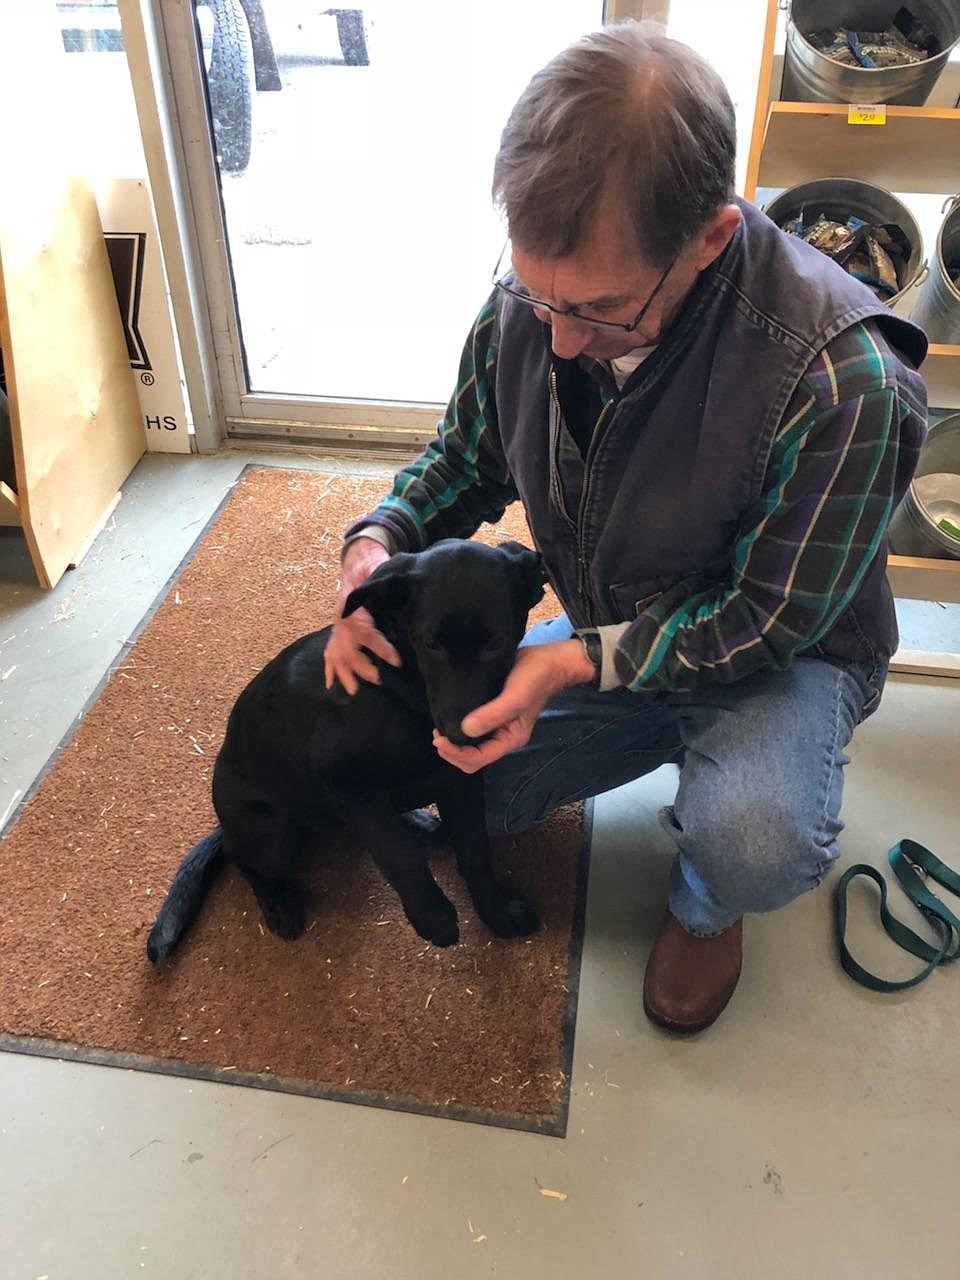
(709,424)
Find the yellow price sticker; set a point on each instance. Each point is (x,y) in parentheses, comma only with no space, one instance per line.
(864,113)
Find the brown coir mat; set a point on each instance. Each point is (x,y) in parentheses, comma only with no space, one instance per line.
(360,1008)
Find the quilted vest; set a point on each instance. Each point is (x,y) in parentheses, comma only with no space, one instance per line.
(682,452)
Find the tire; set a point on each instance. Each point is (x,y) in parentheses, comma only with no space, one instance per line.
(230,81)
(352,36)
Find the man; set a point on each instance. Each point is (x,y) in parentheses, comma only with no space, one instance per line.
(709,425)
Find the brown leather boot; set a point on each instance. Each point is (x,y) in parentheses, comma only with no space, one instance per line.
(689,979)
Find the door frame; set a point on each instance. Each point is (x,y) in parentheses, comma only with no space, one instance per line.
(168,86)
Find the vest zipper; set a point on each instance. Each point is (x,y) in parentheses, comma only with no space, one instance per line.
(591,450)
(578,526)
(552,383)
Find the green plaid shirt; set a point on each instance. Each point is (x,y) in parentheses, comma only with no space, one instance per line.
(838,465)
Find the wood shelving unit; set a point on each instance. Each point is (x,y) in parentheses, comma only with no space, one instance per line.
(916,150)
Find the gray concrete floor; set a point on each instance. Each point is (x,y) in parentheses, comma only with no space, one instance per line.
(812,1132)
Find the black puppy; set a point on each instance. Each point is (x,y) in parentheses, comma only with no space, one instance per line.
(297,755)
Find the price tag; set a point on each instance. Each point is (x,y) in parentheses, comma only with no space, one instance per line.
(866,113)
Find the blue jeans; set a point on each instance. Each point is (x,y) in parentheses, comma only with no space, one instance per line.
(757,811)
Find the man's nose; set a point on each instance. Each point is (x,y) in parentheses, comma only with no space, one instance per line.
(568,337)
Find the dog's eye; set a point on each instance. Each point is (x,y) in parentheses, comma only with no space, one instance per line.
(432,644)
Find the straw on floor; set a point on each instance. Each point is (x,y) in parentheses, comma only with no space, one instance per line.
(360,1008)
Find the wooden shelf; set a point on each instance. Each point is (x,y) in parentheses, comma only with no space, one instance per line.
(941,372)
(916,150)
(923,663)
(916,578)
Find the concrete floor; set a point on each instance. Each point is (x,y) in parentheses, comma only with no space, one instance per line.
(811,1133)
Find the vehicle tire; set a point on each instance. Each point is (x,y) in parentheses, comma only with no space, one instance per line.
(230,83)
(352,36)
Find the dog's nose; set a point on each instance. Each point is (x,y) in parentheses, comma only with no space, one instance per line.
(454,731)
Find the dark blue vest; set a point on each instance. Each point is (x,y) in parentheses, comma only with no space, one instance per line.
(682,454)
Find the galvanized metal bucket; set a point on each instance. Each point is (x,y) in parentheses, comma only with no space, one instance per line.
(840,197)
(934,495)
(937,309)
(811,76)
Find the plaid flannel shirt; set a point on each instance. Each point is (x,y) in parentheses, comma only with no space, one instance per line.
(800,554)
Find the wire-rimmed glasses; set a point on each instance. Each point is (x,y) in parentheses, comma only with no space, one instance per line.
(504,283)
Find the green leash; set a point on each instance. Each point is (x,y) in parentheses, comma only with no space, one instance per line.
(912,864)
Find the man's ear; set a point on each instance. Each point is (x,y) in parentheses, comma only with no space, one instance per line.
(387,589)
(716,235)
(528,567)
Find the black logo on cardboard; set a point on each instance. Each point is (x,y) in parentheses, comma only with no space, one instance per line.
(126,250)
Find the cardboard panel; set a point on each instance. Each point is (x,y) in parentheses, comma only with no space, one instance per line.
(134,248)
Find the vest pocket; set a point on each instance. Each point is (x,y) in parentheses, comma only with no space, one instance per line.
(631,598)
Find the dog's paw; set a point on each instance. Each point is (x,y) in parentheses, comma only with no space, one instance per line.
(438,924)
(283,912)
(424,825)
(508,916)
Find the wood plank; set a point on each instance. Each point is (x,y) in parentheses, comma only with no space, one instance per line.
(76,423)
(918,149)
(918,578)
(77,431)
(94,532)
(917,662)
(9,507)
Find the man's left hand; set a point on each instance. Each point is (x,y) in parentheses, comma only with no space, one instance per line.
(539,672)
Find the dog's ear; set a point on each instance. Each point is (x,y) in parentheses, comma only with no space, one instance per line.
(387,588)
(528,566)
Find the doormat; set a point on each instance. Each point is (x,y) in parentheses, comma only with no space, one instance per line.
(360,1009)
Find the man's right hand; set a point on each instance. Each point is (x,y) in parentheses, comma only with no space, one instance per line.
(344,658)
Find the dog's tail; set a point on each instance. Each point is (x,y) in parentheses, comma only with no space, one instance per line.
(185,896)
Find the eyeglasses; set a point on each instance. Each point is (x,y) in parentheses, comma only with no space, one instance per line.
(572,313)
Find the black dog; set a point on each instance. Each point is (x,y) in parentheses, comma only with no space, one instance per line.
(296,755)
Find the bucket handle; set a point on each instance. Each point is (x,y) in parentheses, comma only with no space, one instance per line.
(950,204)
(922,275)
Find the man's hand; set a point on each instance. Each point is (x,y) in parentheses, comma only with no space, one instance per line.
(540,671)
(344,658)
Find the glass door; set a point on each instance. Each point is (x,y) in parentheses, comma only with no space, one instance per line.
(339,163)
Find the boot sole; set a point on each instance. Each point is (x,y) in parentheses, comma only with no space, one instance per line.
(685,1028)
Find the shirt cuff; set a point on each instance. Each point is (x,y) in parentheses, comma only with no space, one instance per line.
(603,642)
(609,639)
(374,531)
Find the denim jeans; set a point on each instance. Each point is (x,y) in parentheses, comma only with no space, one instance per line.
(757,810)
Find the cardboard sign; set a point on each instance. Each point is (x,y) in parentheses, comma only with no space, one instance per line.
(133,245)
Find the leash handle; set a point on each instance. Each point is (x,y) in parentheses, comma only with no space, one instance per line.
(912,864)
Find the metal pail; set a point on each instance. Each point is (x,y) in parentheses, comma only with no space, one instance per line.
(811,76)
(937,309)
(933,496)
(840,197)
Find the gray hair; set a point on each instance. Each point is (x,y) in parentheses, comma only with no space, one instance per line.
(627,113)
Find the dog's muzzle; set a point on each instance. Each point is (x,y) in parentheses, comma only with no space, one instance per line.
(456,735)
